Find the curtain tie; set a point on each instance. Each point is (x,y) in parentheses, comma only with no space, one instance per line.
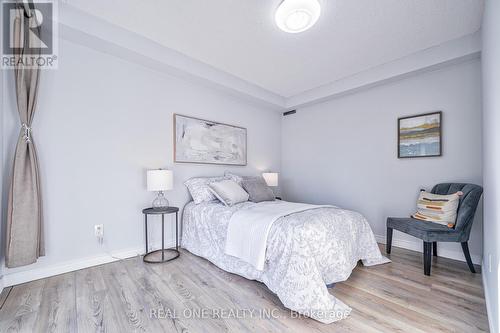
(27,133)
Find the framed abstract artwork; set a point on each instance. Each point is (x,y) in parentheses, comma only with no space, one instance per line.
(420,135)
(203,141)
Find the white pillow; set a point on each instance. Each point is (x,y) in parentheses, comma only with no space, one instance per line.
(199,190)
(229,192)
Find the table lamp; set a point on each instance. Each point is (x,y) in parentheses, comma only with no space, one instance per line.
(271,178)
(160,180)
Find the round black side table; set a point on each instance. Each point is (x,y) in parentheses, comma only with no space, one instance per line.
(163,250)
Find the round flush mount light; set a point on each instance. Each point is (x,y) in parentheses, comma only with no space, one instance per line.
(295,16)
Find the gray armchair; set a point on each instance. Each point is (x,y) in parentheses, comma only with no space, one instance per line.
(431,233)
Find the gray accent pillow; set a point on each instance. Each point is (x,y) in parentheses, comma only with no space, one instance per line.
(257,189)
(228,192)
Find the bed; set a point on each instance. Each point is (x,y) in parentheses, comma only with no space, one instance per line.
(305,251)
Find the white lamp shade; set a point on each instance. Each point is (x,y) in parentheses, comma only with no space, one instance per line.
(160,180)
(271,178)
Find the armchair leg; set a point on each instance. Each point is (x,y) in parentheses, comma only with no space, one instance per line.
(427,257)
(435,249)
(389,241)
(465,248)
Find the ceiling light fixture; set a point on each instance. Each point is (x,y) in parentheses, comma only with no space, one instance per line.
(295,16)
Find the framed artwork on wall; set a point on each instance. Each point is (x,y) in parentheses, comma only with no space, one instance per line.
(203,141)
(420,135)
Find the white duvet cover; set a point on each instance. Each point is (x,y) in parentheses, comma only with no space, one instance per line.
(305,251)
(249,228)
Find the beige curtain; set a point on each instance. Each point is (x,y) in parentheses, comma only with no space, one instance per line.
(24,212)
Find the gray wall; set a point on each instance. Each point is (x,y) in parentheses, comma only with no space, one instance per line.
(101,123)
(491,156)
(344,151)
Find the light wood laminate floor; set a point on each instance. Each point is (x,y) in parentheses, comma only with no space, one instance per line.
(120,296)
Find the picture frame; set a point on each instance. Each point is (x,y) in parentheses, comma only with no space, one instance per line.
(420,135)
(202,141)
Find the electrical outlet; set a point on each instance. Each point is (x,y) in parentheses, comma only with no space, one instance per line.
(99,231)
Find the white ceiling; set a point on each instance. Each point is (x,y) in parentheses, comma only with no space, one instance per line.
(240,37)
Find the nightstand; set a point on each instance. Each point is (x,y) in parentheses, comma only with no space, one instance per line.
(166,254)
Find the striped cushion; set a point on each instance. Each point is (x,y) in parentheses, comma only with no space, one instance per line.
(437,208)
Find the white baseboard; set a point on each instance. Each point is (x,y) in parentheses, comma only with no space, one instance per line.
(156,244)
(417,246)
(487,299)
(11,279)
(69,266)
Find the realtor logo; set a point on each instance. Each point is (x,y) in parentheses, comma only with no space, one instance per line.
(29,34)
